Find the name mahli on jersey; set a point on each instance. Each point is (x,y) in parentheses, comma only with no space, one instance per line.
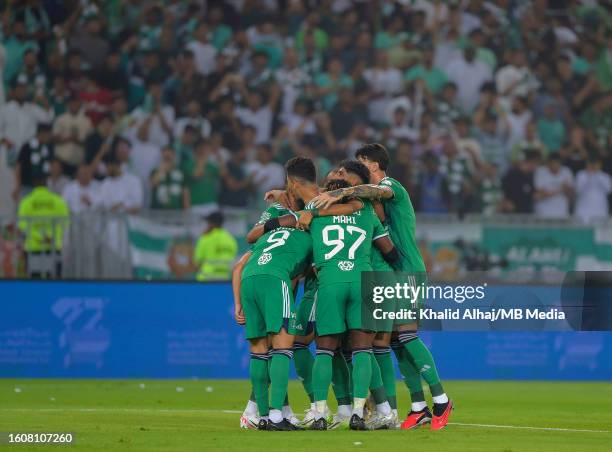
(345,219)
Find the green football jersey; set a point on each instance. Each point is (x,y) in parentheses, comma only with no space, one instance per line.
(400,217)
(283,252)
(275,210)
(342,244)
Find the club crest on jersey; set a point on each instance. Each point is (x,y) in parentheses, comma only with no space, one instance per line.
(264,259)
(346,266)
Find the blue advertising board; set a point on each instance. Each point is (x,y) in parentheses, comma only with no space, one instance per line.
(185,330)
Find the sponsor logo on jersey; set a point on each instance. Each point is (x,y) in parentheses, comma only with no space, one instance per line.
(346,266)
(264,259)
(265,216)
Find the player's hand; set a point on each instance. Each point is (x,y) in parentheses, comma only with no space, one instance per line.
(279,196)
(325,200)
(304,220)
(239,315)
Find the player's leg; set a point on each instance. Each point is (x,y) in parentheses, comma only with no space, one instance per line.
(422,360)
(255,330)
(361,342)
(279,311)
(341,383)
(258,372)
(382,354)
(304,326)
(419,413)
(304,362)
(330,322)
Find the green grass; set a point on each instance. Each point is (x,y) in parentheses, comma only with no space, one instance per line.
(122,415)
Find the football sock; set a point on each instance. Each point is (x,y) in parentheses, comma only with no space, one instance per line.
(287,412)
(344,410)
(348,359)
(411,375)
(440,399)
(251,408)
(304,361)
(362,372)
(322,374)
(276,415)
(321,409)
(358,404)
(279,376)
(423,361)
(387,372)
(258,371)
(383,408)
(376,384)
(341,379)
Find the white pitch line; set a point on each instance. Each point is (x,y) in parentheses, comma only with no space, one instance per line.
(525,427)
(196,410)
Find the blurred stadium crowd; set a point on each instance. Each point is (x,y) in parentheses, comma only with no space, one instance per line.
(486,106)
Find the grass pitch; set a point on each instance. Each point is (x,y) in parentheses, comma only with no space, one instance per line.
(177,415)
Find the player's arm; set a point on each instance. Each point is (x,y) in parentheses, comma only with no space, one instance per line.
(348,208)
(277,196)
(387,249)
(236,284)
(286,221)
(366,191)
(380,210)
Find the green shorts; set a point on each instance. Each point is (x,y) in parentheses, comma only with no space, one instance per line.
(338,308)
(305,318)
(384,323)
(415,279)
(268,305)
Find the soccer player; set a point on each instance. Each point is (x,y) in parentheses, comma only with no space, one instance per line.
(341,252)
(266,296)
(382,385)
(250,418)
(415,358)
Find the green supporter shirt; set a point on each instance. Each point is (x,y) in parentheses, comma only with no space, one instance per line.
(434,78)
(342,244)
(168,194)
(399,215)
(283,252)
(204,189)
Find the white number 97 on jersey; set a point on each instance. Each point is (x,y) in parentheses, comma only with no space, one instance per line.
(334,235)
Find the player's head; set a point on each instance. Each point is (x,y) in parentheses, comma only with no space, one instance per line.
(300,171)
(337,184)
(374,156)
(354,172)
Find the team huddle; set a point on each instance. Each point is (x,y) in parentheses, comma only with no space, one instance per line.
(360,221)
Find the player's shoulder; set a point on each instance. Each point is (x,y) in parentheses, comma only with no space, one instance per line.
(395,185)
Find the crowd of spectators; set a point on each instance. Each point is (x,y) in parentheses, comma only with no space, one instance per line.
(486,106)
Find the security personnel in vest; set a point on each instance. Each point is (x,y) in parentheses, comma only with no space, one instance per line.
(215,251)
(43,217)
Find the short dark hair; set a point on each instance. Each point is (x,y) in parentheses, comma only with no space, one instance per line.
(357,168)
(44,127)
(302,168)
(215,219)
(375,152)
(336,184)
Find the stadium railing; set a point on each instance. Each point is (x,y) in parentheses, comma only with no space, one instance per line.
(100,245)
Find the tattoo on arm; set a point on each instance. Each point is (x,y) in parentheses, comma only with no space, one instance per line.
(367,191)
